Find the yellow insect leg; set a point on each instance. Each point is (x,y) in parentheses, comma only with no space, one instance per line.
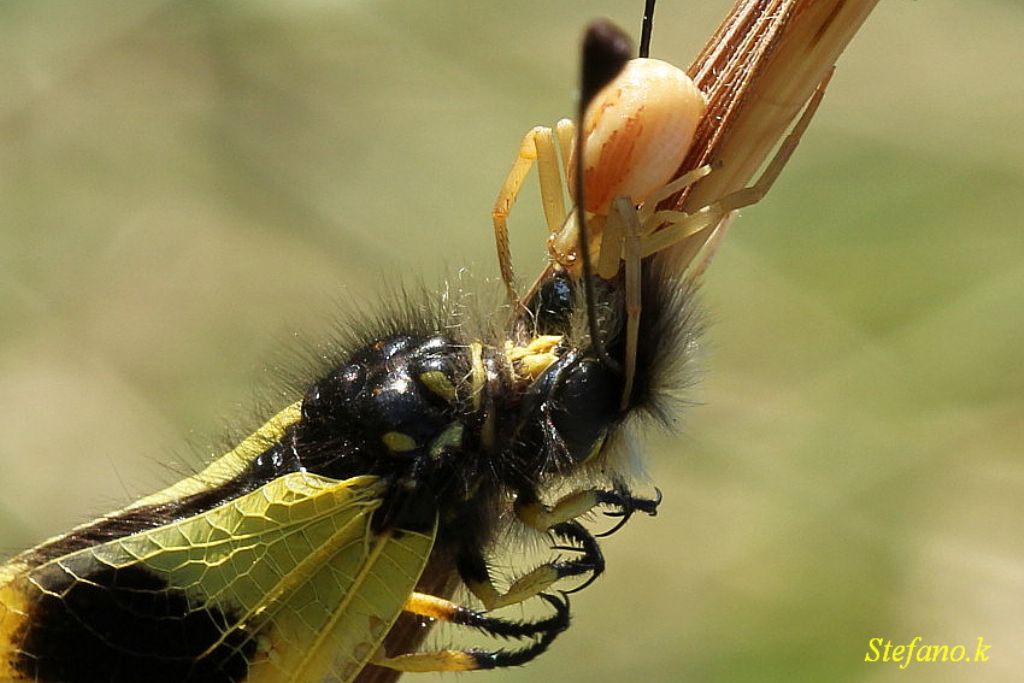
(541,632)
(558,519)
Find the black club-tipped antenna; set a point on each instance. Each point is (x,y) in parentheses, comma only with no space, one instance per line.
(606,50)
(645,29)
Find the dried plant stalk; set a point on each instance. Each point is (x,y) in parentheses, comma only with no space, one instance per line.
(758,71)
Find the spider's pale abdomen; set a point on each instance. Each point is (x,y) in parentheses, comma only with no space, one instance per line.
(638,130)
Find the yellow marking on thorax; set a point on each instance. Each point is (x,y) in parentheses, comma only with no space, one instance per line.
(397,442)
(438,383)
(479,373)
(451,437)
(478,381)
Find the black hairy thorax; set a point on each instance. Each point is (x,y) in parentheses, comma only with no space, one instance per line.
(461,428)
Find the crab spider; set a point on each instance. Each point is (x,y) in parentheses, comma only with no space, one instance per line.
(637,131)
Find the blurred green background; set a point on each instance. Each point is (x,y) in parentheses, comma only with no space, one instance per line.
(183,186)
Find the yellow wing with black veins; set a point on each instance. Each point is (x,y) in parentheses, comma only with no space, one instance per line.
(288,583)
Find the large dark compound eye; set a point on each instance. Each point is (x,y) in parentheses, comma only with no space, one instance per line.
(585,404)
(398,395)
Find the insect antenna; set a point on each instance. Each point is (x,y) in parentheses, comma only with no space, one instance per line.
(606,49)
(645,30)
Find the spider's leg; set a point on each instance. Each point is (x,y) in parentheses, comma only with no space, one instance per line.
(538,145)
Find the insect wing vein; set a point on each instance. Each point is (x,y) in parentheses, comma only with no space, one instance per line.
(289,582)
